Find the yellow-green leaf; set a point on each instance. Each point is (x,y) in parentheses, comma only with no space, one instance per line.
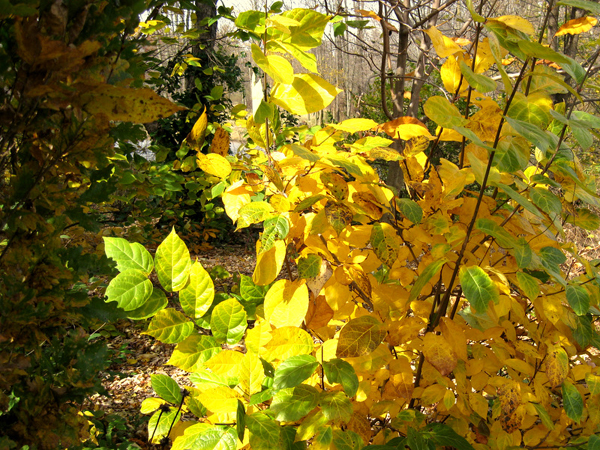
(253,213)
(277,67)
(199,293)
(478,287)
(228,321)
(306,94)
(170,326)
(173,263)
(193,352)
(195,139)
(360,337)
(288,341)
(385,242)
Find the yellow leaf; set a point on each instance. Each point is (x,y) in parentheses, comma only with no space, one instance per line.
(236,196)
(444,46)
(286,303)
(438,352)
(371,14)
(225,363)
(306,94)
(319,313)
(220,143)
(354,125)
(214,164)
(455,335)
(220,399)
(516,22)
(557,365)
(405,127)
(258,336)
(195,139)
(451,74)
(577,26)
(251,373)
(288,341)
(360,337)
(128,104)
(277,67)
(269,263)
(433,394)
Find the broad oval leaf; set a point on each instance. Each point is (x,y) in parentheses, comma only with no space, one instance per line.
(385,242)
(338,215)
(445,114)
(336,406)
(156,302)
(293,371)
(360,337)
(546,201)
(572,401)
(214,164)
(309,266)
(228,321)
(204,436)
(253,213)
(269,264)
(478,82)
(288,341)
(290,405)
(308,93)
(191,353)
(130,289)
(170,326)
(286,303)
(579,299)
(478,287)
(277,67)
(439,353)
(166,387)
(197,296)
(128,255)
(410,209)
(160,423)
(173,263)
(275,228)
(339,371)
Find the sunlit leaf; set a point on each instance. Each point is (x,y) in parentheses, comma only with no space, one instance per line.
(197,296)
(478,287)
(156,302)
(195,139)
(128,255)
(214,164)
(290,405)
(286,303)
(170,326)
(339,371)
(577,26)
(579,299)
(275,66)
(336,406)
(167,388)
(228,321)
(130,289)
(438,352)
(173,263)
(253,213)
(293,371)
(430,271)
(191,353)
(360,337)
(306,94)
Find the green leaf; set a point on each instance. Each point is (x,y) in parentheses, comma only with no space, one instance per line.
(294,371)
(275,228)
(593,7)
(385,243)
(166,388)
(579,299)
(240,421)
(430,271)
(130,289)
(128,256)
(204,436)
(250,20)
(524,202)
(308,202)
(522,253)
(572,401)
(228,321)
(347,440)
(292,404)
(445,114)
(216,93)
(544,416)
(360,337)
(170,326)
(524,110)
(552,258)
(304,153)
(541,139)
(173,263)
(594,442)
(546,201)
(478,287)
(339,371)
(250,292)
(191,353)
(156,302)
(528,285)
(336,406)
(324,438)
(444,436)
(160,423)
(263,427)
(488,226)
(410,209)
(537,50)
(478,82)
(309,266)
(584,332)
(253,213)
(261,397)
(512,154)
(476,17)
(197,296)
(585,219)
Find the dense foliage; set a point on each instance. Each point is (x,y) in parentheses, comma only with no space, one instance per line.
(69,72)
(442,319)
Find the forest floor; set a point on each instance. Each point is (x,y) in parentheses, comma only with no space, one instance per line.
(139,356)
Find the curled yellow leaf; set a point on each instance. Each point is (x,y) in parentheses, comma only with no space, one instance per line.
(577,26)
